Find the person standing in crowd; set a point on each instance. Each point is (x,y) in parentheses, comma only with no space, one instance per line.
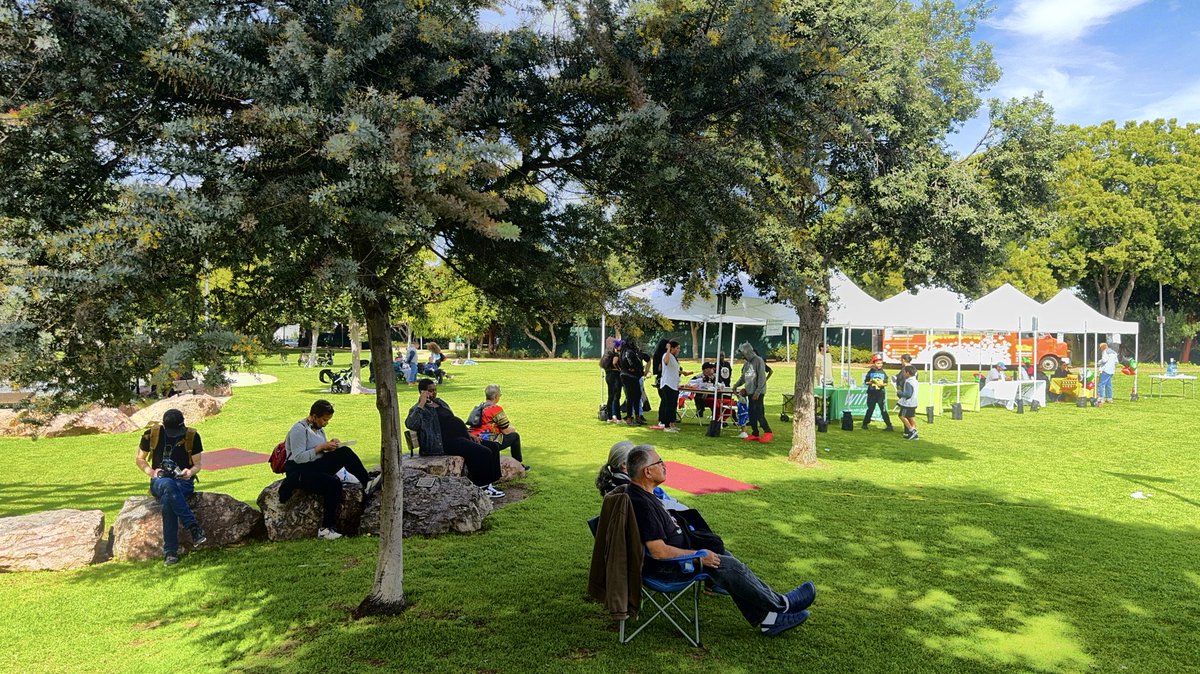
(440,432)
(633,368)
(313,463)
(910,388)
(754,379)
(1108,368)
(876,381)
(611,365)
(668,389)
(170,455)
(905,361)
(410,364)
(823,373)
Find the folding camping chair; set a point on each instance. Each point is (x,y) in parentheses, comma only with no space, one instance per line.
(664,595)
(685,410)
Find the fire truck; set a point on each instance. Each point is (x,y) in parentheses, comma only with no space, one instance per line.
(945,350)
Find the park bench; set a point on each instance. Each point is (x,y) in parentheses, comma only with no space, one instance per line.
(192,386)
(14,398)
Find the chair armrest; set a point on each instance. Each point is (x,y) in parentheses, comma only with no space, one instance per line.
(695,555)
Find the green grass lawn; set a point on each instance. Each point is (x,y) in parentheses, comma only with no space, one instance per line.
(999,543)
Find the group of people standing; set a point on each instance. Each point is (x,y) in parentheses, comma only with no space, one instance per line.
(624,365)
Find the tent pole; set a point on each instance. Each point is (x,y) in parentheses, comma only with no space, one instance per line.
(824,374)
(603,329)
(704,342)
(958,373)
(1134,396)
(732,342)
(787,345)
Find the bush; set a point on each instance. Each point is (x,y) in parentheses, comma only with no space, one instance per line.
(566,354)
(857,354)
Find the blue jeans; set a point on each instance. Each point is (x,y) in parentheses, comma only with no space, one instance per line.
(1104,390)
(172,497)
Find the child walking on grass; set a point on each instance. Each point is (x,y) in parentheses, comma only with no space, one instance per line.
(908,402)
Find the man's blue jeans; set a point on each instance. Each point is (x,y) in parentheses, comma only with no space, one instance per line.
(172,497)
(1104,390)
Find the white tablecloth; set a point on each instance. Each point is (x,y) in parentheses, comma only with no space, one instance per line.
(1006,393)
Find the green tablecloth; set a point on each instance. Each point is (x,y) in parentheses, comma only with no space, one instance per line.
(946,395)
(841,399)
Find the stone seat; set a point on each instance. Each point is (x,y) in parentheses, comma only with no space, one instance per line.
(137,532)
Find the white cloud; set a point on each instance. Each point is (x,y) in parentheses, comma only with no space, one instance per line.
(1183,105)
(1062,20)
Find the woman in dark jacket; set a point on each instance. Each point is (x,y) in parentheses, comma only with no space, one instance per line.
(440,432)
(633,368)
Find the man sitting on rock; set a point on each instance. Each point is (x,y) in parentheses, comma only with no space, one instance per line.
(773,613)
(488,421)
(173,451)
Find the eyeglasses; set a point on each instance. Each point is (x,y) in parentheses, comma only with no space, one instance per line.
(657,463)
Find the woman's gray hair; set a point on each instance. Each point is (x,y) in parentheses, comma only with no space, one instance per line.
(746,348)
(492,391)
(612,473)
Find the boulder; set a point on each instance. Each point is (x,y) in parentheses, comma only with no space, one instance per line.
(94,420)
(19,423)
(510,469)
(433,504)
(300,517)
(138,534)
(51,540)
(195,408)
(436,465)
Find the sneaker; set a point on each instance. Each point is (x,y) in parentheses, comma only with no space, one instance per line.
(657,427)
(751,438)
(907,434)
(525,467)
(170,559)
(491,492)
(785,622)
(671,429)
(198,537)
(914,436)
(373,486)
(888,428)
(743,435)
(327,534)
(766,437)
(801,597)
(865,425)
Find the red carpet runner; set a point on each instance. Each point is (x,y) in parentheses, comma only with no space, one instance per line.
(231,458)
(695,481)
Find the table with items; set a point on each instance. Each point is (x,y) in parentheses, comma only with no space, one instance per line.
(943,394)
(1186,380)
(722,396)
(1008,392)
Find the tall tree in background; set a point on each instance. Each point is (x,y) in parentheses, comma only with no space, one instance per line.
(1130,204)
(806,136)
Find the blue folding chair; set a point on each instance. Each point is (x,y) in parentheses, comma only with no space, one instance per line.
(665,595)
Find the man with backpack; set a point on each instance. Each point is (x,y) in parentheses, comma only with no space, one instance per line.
(488,421)
(170,456)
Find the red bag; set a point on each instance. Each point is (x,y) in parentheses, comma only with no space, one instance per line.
(278,458)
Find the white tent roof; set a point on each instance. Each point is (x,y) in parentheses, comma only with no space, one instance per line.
(928,308)
(1005,308)
(849,305)
(1066,312)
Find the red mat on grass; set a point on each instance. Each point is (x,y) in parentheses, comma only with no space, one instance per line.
(695,481)
(231,457)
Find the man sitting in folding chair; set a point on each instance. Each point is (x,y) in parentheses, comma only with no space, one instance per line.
(667,541)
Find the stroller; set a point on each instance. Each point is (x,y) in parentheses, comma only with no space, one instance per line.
(339,382)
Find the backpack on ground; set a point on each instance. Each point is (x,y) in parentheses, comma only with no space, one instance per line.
(475,418)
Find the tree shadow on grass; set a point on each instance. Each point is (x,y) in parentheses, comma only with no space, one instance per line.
(24,499)
(936,580)
(1154,482)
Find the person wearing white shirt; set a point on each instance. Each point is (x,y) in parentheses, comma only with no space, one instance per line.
(996,373)
(910,388)
(1108,368)
(668,389)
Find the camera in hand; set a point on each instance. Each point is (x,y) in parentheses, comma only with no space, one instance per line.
(169,469)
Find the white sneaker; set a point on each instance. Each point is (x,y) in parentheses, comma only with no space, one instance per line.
(657,427)
(327,534)
(671,429)
(743,435)
(375,483)
(492,492)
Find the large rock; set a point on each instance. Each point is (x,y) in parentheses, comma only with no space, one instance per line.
(138,533)
(433,505)
(95,419)
(195,408)
(300,517)
(452,466)
(510,469)
(51,541)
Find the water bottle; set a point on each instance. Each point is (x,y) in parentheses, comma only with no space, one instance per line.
(1172,368)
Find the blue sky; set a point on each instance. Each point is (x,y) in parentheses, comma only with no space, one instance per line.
(1096,60)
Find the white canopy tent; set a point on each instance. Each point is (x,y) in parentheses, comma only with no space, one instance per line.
(924,308)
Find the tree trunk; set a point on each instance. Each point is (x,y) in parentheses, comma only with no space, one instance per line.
(1185,356)
(355,356)
(804,421)
(387,594)
(312,345)
(1119,314)
(695,339)
(529,334)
